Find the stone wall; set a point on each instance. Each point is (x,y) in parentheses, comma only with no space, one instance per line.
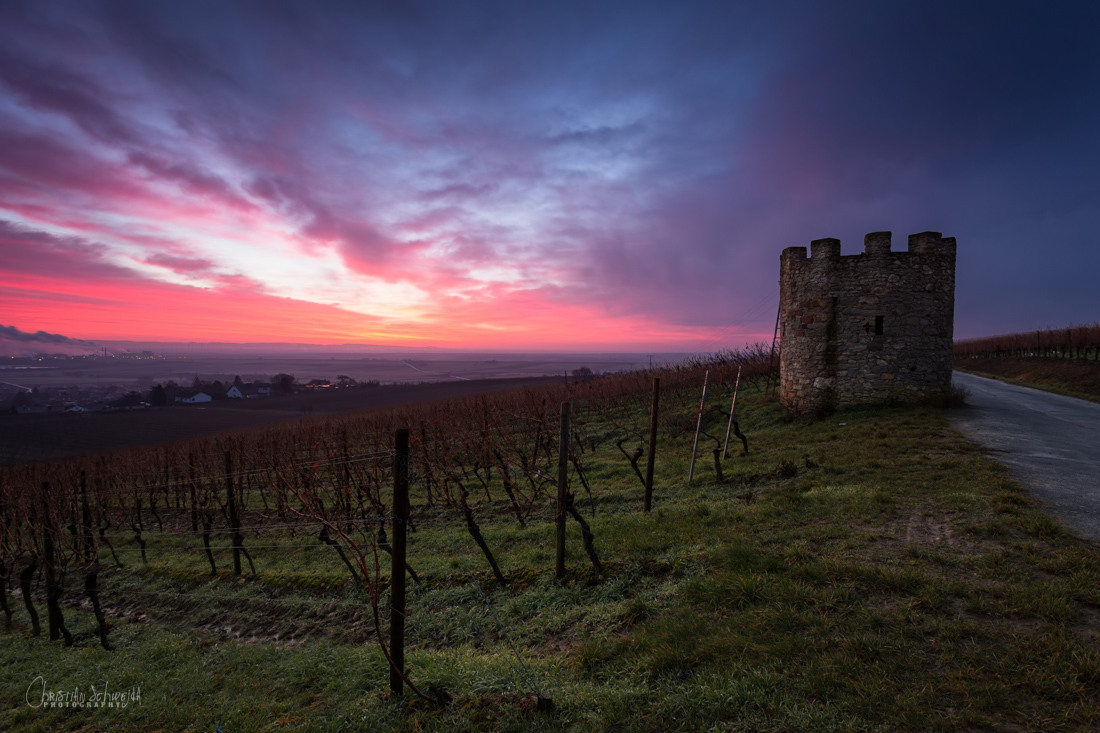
(869,327)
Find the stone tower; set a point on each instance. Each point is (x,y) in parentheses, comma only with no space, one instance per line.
(869,327)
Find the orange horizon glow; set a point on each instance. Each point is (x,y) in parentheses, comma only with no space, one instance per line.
(139,311)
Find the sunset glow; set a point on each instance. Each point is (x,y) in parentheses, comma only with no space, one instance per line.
(515,177)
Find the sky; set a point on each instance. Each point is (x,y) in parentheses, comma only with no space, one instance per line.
(581,175)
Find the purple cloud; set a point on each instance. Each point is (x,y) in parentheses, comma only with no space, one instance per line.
(64,92)
(191,178)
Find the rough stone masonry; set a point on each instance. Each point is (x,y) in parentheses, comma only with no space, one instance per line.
(866,328)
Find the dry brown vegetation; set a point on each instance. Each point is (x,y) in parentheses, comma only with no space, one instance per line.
(50,437)
(1074,377)
(1073,342)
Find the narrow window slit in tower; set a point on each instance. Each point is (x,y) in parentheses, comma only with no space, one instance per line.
(878,325)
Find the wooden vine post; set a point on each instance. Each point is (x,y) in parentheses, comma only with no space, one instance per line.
(652,445)
(733,406)
(397,556)
(698,427)
(563,483)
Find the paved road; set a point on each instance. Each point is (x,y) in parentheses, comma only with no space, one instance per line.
(1050,443)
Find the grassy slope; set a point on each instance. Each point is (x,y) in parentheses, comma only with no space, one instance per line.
(869,571)
(1074,377)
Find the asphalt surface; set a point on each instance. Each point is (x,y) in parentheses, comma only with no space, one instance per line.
(1050,443)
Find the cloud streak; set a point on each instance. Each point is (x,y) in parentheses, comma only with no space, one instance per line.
(11,333)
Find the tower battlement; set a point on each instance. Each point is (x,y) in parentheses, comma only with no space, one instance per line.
(866,327)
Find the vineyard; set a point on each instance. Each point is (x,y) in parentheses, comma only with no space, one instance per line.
(609,553)
(301,513)
(1075,342)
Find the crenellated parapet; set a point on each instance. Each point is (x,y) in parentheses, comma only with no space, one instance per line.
(867,327)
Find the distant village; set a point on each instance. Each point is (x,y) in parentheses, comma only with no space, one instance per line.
(112,398)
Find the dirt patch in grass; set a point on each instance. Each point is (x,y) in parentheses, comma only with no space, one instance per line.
(922,528)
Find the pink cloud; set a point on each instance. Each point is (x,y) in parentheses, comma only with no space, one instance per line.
(181,264)
(90,299)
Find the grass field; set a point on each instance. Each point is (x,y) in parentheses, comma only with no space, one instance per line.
(868,571)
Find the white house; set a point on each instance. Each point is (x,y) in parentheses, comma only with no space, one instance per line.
(248,391)
(197,398)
